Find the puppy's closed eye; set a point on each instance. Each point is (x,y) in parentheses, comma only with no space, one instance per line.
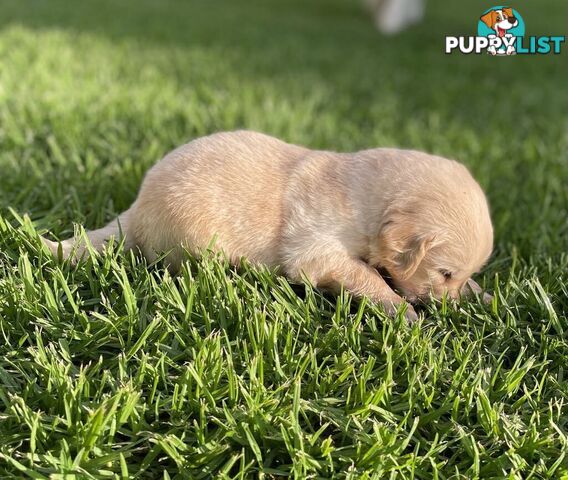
(446,274)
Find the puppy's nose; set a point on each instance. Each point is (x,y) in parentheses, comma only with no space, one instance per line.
(513,20)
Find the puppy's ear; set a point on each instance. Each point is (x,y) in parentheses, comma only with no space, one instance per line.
(490,18)
(401,248)
(508,11)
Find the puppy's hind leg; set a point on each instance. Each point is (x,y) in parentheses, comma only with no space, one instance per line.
(357,277)
(76,246)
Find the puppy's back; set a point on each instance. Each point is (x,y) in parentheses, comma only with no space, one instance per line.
(228,185)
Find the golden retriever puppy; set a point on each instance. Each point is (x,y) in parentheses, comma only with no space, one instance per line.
(332,219)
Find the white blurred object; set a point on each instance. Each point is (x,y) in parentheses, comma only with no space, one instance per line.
(393,16)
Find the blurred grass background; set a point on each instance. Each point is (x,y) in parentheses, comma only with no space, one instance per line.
(93,93)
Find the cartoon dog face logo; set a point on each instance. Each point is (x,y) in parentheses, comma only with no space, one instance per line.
(500,20)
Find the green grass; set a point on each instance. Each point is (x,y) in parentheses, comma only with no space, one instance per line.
(115,369)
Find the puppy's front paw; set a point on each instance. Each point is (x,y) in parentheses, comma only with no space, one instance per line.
(486,298)
(410,314)
(472,288)
(392,307)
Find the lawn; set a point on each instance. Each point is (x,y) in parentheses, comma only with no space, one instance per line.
(115,369)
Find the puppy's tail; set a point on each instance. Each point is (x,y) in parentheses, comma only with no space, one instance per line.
(76,246)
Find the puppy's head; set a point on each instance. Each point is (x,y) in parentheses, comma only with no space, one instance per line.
(500,20)
(436,236)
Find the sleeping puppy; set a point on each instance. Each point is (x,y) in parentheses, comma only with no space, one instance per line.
(332,219)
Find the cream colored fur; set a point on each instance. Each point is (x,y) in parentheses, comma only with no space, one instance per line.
(329,218)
